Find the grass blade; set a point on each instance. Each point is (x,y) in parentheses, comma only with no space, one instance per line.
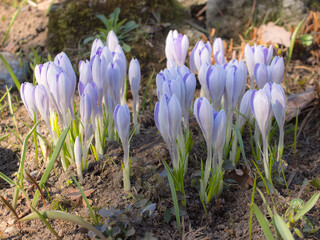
(53,158)
(282,227)
(4,137)
(11,23)
(11,209)
(21,167)
(173,194)
(8,180)
(93,215)
(293,39)
(34,182)
(236,128)
(262,221)
(252,201)
(47,224)
(55,214)
(9,69)
(307,207)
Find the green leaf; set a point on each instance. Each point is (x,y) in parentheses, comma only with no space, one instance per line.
(306,39)
(235,127)
(262,221)
(93,215)
(293,39)
(282,227)
(307,207)
(315,183)
(55,214)
(9,69)
(4,137)
(53,159)
(173,194)
(7,179)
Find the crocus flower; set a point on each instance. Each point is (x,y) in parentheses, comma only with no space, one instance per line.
(203,112)
(244,108)
(27,96)
(218,51)
(77,155)
(96,45)
(262,74)
(112,41)
(176,48)
(85,74)
(277,69)
(134,80)
(63,61)
(234,85)
(85,111)
(278,102)
(215,81)
(41,98)
(261,109)
(122,122)
(114,82)
(257,54)
(219,131)
(200,54)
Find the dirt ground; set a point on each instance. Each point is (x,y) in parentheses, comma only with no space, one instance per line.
(103,180)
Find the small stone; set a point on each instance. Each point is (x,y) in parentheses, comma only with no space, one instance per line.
(11,231)
(3,226)
(21,72)
(11,221)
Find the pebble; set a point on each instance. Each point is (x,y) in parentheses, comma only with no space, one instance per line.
(11,231)
(11,221)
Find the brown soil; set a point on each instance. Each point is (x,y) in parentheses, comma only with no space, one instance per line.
(103,180)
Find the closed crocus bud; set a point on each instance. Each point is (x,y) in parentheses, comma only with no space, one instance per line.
(277,69)
(278,102)
(200,54)
(77,156)
(216,80)
(244,108)
(176,48)
(249,56)
(160,78)
(91,91)
(63,61)
(175,87)
(85,110)
(122,122)
(203,79)
(167,116)
(114,82)
(234,85)
(189,81)
(112,41)
(218,51)
(27,96)
(261,74)
(97,76)
(219,131)
(85,74)
(134,76)
(41,98)
(262,54)
(261,108)
(97,43)
(203,112)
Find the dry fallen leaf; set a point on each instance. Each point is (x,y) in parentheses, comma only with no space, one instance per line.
(275,34)
(75,195)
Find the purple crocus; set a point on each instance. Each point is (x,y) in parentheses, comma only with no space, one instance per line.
(277,70)
(254,55)
(27,96)
(215,81)
(218,51)
(262,74)
(200,54)
(41,98)
(176,48)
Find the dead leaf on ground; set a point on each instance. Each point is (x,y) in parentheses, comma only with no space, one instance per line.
(244,180)
(75,195)
(299,100)
(275,34)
